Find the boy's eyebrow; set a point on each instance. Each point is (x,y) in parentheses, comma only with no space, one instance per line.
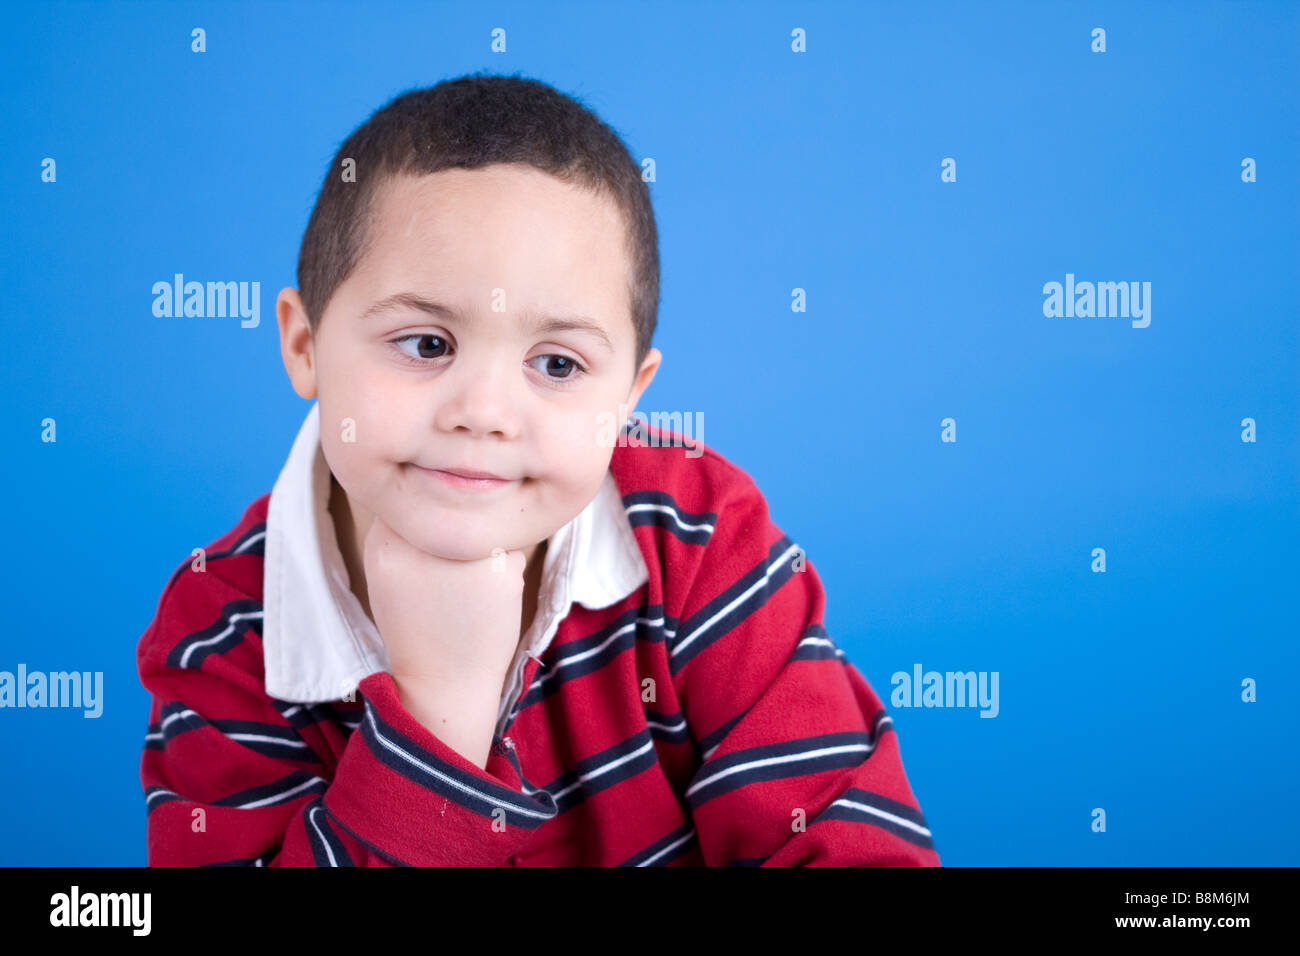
(548,323)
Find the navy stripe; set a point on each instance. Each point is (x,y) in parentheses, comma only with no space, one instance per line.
(227,632)
(671,728)
(650,628)
(305,715)
(581,657)
(360,841)
(715,738)
(659,509)
(666,849)
(704,627)
(155,797)
(812,648)
(883,805)
(326,847)
(297,715)
(294,786)
(252,541)
(284,742)
(407,758)
(653,626)
(764,763)
(569,789)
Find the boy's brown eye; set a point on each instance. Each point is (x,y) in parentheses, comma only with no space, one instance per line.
(435,339)
(560,368)
(427,346)
(561,364)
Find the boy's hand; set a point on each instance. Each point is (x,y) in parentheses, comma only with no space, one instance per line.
(451,629)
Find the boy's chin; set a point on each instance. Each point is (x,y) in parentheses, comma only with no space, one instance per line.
(459,548)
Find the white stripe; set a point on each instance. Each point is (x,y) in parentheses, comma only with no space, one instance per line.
(709,753)
(787,758)
(605,769)
(675,843)
(250,542)
(240,736)
(669,511)
(816,640)
(176,716)
(680,725)
(212,640)
(739,600)
(583,655)
(821,640)
(311,816)
(876,811)
(277,797)
(269,740)
(564,661)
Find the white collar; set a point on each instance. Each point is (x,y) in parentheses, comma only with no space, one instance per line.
(318,642)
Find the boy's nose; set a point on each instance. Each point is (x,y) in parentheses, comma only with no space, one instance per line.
(480,400)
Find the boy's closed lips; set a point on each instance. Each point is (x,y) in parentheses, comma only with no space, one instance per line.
(463,478)
(467,478)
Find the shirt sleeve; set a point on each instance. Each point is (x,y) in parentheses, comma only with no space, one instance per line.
(800,761)
(232,777)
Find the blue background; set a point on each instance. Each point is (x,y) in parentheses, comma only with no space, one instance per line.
(776,170)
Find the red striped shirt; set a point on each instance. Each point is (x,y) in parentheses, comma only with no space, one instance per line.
(707,719)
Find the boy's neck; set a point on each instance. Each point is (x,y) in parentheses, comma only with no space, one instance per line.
(350,527)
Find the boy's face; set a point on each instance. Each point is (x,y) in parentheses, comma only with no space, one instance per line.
(480,387)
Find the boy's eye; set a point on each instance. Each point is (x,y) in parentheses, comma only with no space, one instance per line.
(423,350)
(558,368)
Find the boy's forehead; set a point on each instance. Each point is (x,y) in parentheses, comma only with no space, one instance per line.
(504,187)
(455,236)
(501,205)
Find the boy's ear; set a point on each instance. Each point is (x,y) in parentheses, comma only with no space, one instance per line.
(296,343)
(644,376)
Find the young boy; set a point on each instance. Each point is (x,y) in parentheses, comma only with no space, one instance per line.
(599,651)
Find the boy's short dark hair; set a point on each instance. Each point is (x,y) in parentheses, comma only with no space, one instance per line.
(469,122)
